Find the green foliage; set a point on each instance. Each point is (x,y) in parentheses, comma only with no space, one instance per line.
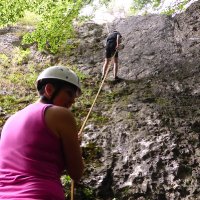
(11,11)
(85,192)
(7,101)
(15,77)
(4,60)
(66,183)
(56,25)
(144,5)
(176,8)
(88,193)
(11,103)
(31,77)
(140,4)
(20,56)
(163,101)
(26,81)
(56,20)
(65,180)
(106,2)
(29,19)
(99,118)
(92,152)
(16,86)
(81,75)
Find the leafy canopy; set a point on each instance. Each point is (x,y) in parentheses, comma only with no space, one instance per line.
(55,26)
(156,5)
(138,5)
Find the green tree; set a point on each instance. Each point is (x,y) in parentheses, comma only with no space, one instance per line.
(139,5)
(11,11)
(55,26)
(179,6)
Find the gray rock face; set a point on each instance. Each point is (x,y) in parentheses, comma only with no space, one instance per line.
(152,42)
(149,148)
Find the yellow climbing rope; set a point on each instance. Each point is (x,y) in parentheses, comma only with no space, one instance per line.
(84,123)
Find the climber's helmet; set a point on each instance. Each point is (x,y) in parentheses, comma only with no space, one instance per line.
(59,76)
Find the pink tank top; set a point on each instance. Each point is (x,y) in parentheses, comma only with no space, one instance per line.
(31,157)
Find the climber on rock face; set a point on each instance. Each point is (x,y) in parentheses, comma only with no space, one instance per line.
(112,46)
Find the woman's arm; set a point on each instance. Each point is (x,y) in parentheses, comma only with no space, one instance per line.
(64,126)
(118,41)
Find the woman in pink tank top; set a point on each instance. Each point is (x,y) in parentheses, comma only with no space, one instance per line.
(40,141)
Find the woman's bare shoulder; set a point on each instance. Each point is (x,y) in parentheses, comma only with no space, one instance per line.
(60,120)
(59,112)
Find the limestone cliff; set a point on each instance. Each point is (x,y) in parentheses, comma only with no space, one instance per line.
(149,146)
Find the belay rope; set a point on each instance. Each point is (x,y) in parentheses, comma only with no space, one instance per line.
(84,123)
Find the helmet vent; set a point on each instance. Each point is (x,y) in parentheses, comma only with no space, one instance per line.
(67,77)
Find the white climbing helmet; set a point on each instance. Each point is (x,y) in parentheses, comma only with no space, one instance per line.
(60,73)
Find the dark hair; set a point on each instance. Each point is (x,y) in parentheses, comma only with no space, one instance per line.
(58,84)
